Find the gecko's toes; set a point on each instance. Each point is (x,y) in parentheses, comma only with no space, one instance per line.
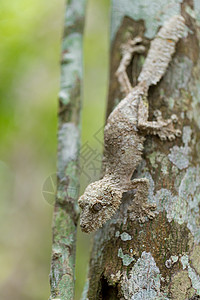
(136,40)
(147,211)
(174,118)
(162,137)
(151,215)
(142,219)
(157,113)
(178,132)
(171,137)
(152,206)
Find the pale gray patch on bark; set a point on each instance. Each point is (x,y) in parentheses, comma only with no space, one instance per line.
(143,280)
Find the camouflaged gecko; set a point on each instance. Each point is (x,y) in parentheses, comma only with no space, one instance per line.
(125,132)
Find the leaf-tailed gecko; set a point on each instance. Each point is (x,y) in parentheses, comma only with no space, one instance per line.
(125,131)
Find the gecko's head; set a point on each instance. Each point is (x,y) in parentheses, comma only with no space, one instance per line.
(99,202)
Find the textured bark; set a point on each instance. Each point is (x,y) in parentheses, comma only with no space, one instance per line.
(62,275)
(159,259)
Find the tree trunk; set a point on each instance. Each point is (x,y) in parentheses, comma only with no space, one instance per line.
(159,259)
(62,276)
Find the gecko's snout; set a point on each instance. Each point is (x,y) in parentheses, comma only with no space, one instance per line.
(84,227)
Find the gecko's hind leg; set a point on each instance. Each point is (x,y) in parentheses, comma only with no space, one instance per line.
(139,209)
(128,50)
(161,127)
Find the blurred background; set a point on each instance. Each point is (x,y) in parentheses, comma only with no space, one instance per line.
(30,43)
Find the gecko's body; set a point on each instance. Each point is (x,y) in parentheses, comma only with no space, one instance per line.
(125,132)
(123,142)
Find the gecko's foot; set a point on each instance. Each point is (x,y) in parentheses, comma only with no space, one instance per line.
(132,46)
(128,49)
(147,210)
(142,212)
(166,133)
(159,118)
(166,130)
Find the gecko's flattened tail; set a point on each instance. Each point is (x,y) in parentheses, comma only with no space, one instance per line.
(161,51)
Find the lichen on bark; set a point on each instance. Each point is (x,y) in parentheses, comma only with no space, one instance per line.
(62,275)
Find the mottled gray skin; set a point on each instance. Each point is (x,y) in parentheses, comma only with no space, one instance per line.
(125,132)
(123,142)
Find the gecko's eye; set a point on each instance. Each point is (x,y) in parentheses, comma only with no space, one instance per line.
(97,207)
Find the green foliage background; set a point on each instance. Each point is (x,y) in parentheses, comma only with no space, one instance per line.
(31,32)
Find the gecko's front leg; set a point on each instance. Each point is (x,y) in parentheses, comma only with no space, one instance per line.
(139,209)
